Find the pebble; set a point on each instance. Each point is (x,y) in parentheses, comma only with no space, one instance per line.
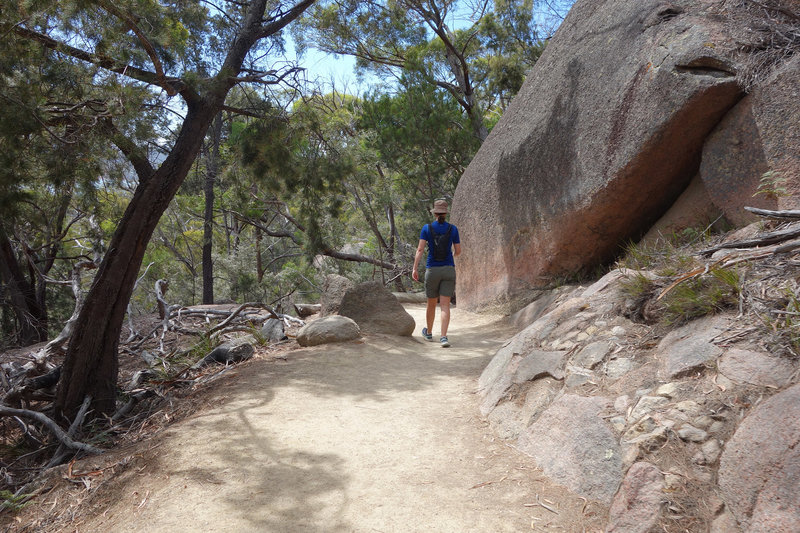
(716,427)
(692,434)
(711,450)
(703,422)
(618,423)
(645,405)
(667,389)
(618,368)
(622,403)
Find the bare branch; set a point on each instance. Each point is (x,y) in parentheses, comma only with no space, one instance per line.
(54,428)
(132,72)
(146,44)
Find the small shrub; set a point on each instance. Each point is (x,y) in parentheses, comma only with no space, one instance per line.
(12,502)
(772,185)
(701,296)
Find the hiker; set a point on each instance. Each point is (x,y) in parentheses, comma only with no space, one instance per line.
(440,271)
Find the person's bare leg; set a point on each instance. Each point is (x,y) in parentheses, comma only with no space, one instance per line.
(444,303)
(430,314)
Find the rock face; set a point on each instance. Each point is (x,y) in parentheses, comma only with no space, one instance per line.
(575,447)
(376,310)
(610,127)
(637,505)
(328,329)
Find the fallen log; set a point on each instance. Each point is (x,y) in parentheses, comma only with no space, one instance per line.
(773,237)
(792,214)
(31,385)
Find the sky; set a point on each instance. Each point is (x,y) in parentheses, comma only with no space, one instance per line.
(340,70)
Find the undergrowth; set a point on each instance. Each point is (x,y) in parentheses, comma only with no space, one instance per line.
(671,286)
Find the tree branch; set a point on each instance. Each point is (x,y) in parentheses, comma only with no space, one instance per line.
(282,19)
(176,85)
(146,44)
(54,428)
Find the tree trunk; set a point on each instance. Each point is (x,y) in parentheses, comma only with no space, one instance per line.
(212,171)
(26,300)
(91,365)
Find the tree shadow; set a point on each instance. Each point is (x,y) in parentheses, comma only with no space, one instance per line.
(275,476)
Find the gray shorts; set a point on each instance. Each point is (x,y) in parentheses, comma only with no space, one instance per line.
(440,281)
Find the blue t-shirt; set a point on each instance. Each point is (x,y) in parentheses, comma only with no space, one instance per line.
(439,229)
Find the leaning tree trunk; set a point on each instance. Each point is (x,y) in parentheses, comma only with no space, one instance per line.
(91,366)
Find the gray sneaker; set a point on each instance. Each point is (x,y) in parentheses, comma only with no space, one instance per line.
(428,336)
(445,342)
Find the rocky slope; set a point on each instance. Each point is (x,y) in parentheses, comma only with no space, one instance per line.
(688,426)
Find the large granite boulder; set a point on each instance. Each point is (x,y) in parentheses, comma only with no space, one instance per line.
(376,310)
(333,291)
(603,137)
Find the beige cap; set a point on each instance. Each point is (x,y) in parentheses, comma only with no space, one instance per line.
(439,207)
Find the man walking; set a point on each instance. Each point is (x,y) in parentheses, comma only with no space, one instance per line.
(443,244)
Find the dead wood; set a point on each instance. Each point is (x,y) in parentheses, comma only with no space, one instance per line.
(28,386)
(790,232)
(54,428)
(774,214)
(61,453)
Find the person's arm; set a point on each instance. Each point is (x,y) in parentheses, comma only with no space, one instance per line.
(417,257)
(456,249)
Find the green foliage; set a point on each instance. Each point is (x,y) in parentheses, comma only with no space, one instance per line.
(772,185)
(637,286)
(701,296)
(783,321)
(478,58)
(421,136)
(671,284)
(12,502)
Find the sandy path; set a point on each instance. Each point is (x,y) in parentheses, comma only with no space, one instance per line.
(378,436)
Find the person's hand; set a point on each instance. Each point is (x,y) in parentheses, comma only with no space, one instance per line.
(415,275)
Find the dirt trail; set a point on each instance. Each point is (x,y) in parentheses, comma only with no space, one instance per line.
(378,436)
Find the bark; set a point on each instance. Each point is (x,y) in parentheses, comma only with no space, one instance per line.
(91,365)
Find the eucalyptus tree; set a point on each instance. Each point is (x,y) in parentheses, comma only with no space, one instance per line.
(188,55)
(448,43)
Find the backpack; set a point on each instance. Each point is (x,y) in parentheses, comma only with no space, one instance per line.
(440,242)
